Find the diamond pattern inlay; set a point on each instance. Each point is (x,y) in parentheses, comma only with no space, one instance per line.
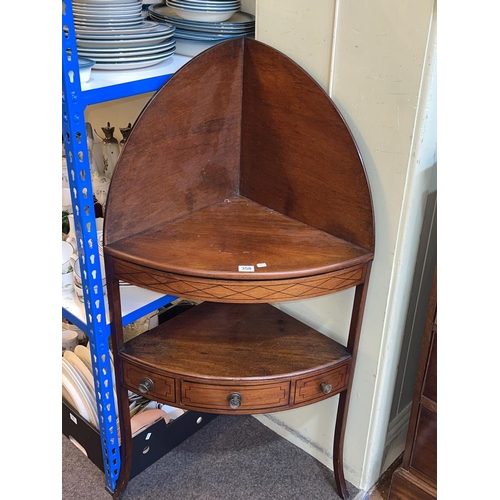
(239,291)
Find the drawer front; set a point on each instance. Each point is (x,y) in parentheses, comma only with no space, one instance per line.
(317,387)
(162,390)
(235,398)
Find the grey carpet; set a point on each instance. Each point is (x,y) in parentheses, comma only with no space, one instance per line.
(232,457)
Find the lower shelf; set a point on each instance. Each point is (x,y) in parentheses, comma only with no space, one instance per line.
(147,447)
(236,359)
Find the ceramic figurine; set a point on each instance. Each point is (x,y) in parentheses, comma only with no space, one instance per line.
(110,150)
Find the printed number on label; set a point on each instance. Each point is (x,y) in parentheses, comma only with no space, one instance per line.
(246,269)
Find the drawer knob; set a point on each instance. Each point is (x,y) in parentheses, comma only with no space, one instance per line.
(145,385)
(326,388)
(234,400)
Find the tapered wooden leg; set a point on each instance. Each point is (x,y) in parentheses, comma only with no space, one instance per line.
(338,446)
(341,421)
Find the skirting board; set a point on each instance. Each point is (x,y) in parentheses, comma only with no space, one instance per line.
(314,449)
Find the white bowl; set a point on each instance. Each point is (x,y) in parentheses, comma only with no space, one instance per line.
(208,17)
(85,65)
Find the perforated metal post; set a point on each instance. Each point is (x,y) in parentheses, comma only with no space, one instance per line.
(80,183)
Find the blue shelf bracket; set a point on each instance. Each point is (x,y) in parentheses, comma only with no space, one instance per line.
(80,183)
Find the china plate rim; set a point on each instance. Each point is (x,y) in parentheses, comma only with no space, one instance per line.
(133,58)
(132,65)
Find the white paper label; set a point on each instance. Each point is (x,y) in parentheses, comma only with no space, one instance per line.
(261,264)
(72,417)
(246,269)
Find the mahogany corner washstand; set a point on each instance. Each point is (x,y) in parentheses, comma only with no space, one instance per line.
(240,185)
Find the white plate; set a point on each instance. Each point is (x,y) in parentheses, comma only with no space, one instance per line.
(123,42)
(204,8)
(136,51)
(67,397)
(144,27)
(208,17)
(202,37)
(106,2)
(79,393)
(127,65)
(106,10)
(74,398)
(205,2)
(82,369)
(131,57)
(107,25)
(79,380)
(84,354)
(91,18)
(239,20)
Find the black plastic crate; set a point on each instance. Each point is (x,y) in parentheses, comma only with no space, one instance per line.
(147,447)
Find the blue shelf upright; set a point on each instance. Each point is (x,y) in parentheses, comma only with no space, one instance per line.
(80,182)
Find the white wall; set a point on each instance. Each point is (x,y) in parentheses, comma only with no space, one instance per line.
(375,59)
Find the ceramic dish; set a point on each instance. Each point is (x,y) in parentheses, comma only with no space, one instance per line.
(82,369)
(144,27)
(106,2)
(207,37)
(110,50)
(123,42)
(206,2)
(130,7)
(128,65)
(106,25)
(82,12)
(128,58)
(79,380)
(162,11)
(210,17)
(73,397)
(234,7)
(85,68)
(84,354)
(79,393)
(121,52)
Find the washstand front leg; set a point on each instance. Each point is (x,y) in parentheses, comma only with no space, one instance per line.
(343,407)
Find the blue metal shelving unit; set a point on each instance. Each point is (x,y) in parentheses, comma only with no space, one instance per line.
(74,102)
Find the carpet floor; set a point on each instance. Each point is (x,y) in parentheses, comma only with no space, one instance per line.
(231,458)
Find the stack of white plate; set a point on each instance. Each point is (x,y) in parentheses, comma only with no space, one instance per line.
(78,383)
(192,37)
(117,37)
(105,14)
(208,11)
(78,387)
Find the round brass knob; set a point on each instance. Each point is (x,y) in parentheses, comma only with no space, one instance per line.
(145,385)
(234,400)
(326,388)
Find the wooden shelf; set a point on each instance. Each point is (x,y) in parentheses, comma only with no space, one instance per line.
(198,358)
(226,239)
